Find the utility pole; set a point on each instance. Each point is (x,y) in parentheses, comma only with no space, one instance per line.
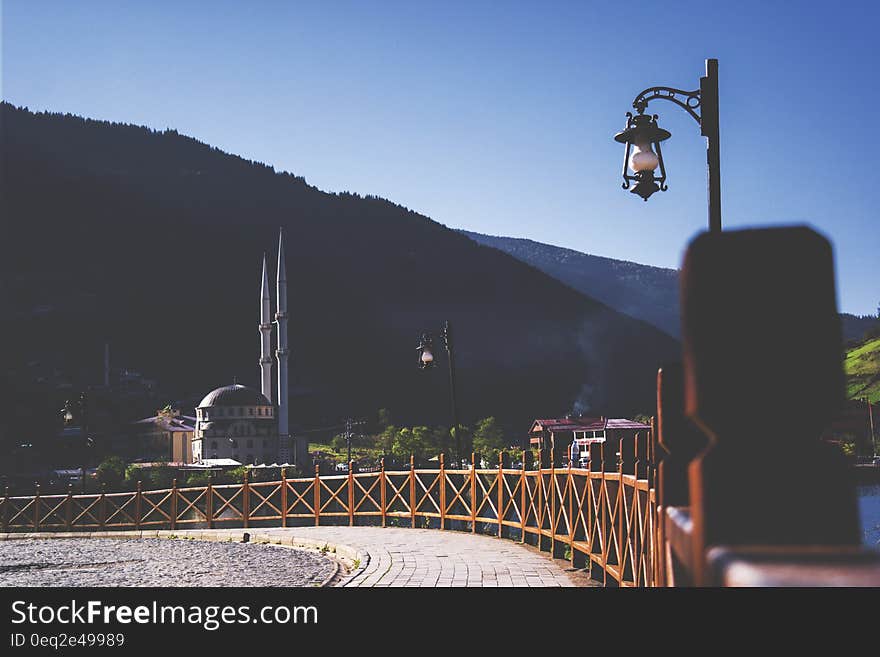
(871,425)
(349,425)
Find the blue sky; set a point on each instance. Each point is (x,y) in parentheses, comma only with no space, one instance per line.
(496,116)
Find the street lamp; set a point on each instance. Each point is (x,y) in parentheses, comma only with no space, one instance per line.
(426,361)
(79,410)
(426,351)
(642,137)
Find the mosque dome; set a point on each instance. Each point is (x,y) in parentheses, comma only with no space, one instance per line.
(234,395)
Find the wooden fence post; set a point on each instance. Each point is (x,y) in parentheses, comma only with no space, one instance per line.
(37,508)
(102,506)
(500,486)
(284,497)
(442,492)
(138,495)
(5,509)
(351,493)
(412,489)
(571,522)
(539,489)
(473,492)
(68,508)
(522,498)
(317,494)
(209,502)
(174,504)
(553,519)
(246,498)
(765,427)
(625,465)
(382,489)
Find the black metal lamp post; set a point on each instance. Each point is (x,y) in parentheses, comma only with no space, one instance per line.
(426,361)
(642,137)
(79,411)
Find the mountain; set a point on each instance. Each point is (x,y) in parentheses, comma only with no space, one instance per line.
(641,291)
(862,366)
(857,328)
(152,241)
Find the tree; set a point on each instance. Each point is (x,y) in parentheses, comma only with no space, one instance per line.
(441,441)
(198,479)
(162,476)
(112,472)
(385,419)
(339,443)
(410,442)
(488,439)
(386,439)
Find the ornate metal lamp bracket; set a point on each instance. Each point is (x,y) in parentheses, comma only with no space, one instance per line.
(687,100)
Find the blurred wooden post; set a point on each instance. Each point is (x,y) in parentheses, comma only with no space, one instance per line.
(36,511)
(209,502)
(678,443)
(102,506)
(382,489)
(442,491)
(173,504)
(412,489)
(138,500)
(522,498)
(679,440)
(284,497)
(473,492)
(317,492)
(539,490)
(627,447)
(351,493)
(500,486)
(752,300)
(641,465)
(68,509)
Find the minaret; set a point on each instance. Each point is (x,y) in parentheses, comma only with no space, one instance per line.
(266,337)
(281,354)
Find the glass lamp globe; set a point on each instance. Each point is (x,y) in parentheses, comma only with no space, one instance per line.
(427,356)
(643,158)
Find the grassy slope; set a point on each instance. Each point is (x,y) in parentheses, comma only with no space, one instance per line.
(862,366)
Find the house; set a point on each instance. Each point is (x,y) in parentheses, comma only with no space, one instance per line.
(854,424)
(570,437)
(168,435)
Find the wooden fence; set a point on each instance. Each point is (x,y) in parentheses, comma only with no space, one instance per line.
(603,518)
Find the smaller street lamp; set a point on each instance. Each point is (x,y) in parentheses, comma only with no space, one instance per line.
(426,351)
(426,361)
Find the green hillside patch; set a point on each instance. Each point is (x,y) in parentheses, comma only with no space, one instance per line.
(862,367)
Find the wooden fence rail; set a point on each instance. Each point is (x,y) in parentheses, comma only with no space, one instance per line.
(602,518)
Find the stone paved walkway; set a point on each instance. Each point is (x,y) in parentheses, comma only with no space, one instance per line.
(401,557)
(430,557)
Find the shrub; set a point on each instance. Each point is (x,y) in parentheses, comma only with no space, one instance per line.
(112,472)
(198,479)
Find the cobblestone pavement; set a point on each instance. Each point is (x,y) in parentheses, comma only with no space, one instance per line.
(429,557)
(157,562)
(371,556)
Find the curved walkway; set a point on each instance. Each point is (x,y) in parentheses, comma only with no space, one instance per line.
(396,556)
(431,557)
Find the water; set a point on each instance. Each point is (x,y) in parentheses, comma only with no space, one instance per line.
(869,509)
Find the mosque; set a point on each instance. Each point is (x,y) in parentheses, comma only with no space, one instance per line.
(250,426)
